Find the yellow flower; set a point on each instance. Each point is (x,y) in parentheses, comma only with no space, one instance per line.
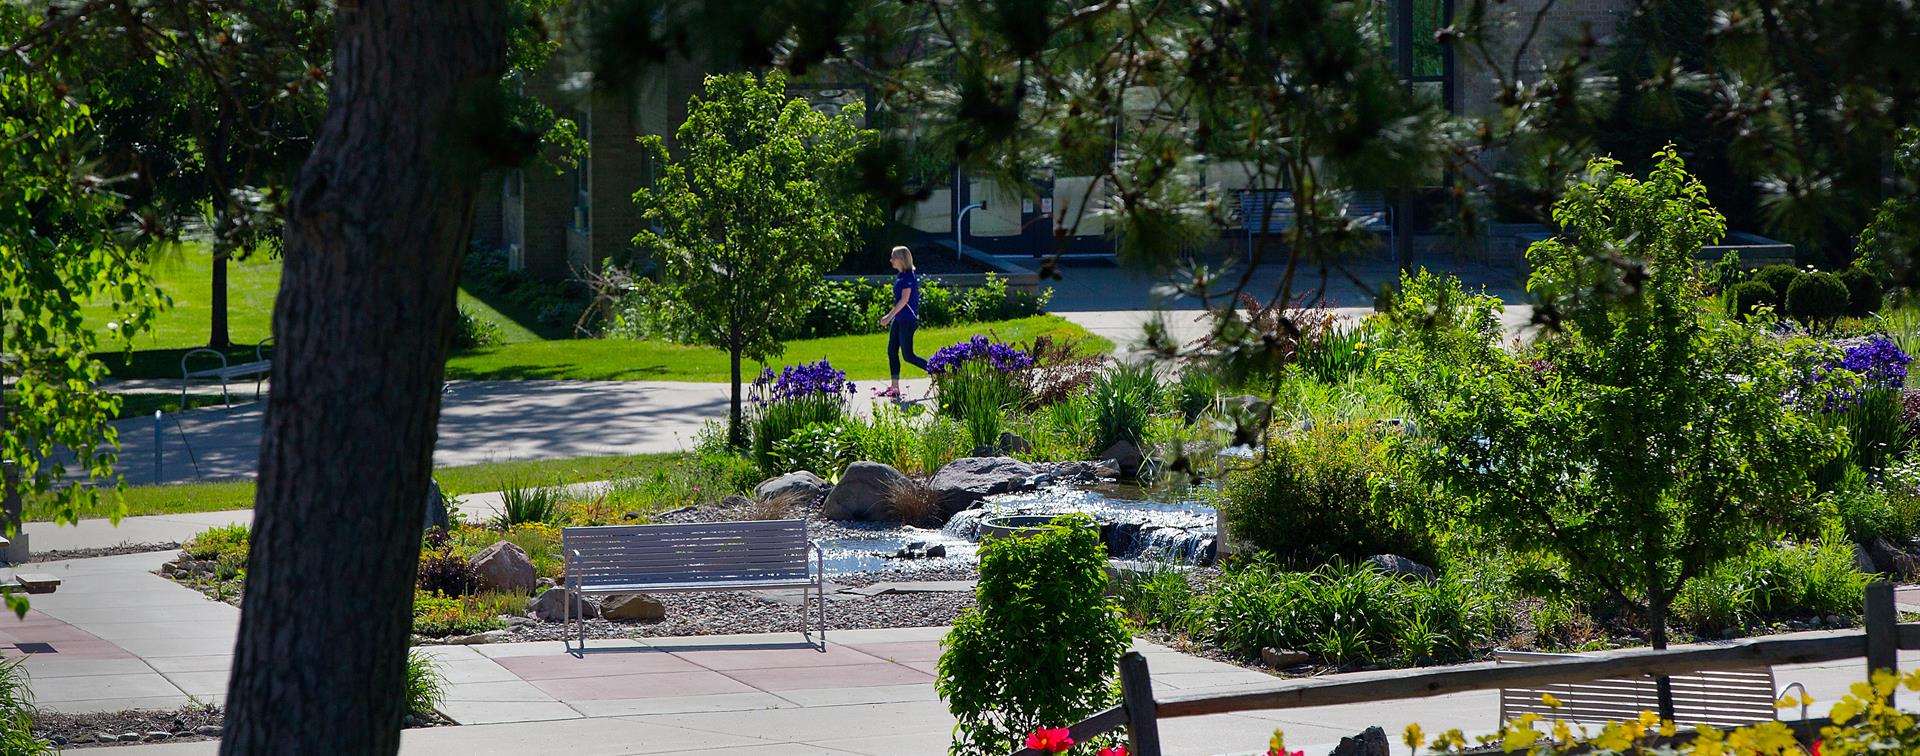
(1519,739)
(1278,742)
(1561,732)
(1414,737)
(1549,700)
(1454,738)
(1667,728)
(1613,738)
(1708,742)
(1766,737)
(1360,346)
(1845,710)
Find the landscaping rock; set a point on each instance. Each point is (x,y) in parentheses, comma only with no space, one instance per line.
(207,731)
(1370,742)
(632,606)
(937,551)
(105,737)
(543,584)
(1399,566)
(965,482)
(1892,559)
(436,516)
(1863,561)
(803,487)
(862,492)
(551,606)
(1125,457)
(504,567)
(1282,658)
(1012,443)
(476,639)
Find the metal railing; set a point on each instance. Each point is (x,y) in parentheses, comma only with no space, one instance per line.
(1139,712)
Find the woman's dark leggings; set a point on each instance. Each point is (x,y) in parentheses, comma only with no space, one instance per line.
(900,339)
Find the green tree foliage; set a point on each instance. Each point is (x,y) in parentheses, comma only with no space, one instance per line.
(745,221)
(60,247)
(1041,647)
(1647,441)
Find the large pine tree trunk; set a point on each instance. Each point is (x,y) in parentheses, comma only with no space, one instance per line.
(366,303)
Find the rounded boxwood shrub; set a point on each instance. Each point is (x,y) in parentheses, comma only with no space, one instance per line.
(1780,278)
(1863,291)
(1817,298)
(1745,297)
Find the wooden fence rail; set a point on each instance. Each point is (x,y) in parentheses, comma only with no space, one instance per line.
(1880,643)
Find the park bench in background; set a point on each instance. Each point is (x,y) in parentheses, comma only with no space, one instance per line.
(257,370)
(1725,698)
(713,556)
(1270,211)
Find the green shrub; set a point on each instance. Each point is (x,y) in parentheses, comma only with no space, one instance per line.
(1746,297)
(437,616)
(224,541)
(426,688)
(472,331)
(942,440)
(1040,648)
(1312,499)
(823,449)
(1341,353)
(936,304)
(1772,583)
(1877,425)
(887,436)
(1195,390)
(1863,291)
(1121,401)
(1901,487)
(17,712)
(772,422)
(1161,598)
(1864,512)
(556,304)
(979,395)
(445,573)
(1778,277)
(1348,615)
(841,308)
(522,504)
(1817,299)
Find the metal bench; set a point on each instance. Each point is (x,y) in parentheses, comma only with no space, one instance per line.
(257,369)
(1725,699)
(1270,211)
(714,556)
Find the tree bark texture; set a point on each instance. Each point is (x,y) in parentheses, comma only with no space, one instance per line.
(374,241)
(218,336)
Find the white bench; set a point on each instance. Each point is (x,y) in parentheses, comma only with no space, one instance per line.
(1725,699)
(257,369)
(715,556)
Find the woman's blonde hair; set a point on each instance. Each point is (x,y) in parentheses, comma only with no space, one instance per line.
(905,255)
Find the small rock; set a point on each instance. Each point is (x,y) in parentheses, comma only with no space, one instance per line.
(984,450)
(1399,566)
(157,735)
(551,607)
(1834,620)
(409,721)
(630,515)
(503,566)
(129,737)
(1125,457)
(937,551)
(58,740)
(516,620)
(632,606)
(1281,658)
(105,737)
(476,639)
(1370,742)
(543,584)
(1012,443)
(209,731)
(1863,561)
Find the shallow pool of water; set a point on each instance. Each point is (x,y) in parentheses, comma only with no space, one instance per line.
(876,552)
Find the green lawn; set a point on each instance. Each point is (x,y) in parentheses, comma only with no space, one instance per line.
(185,275)
(214,497)
(862,357)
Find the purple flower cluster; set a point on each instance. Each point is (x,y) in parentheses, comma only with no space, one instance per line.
(1879,362)
(800,382)
(1003,357)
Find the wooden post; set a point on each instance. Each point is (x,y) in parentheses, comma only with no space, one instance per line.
(1883,630)
(1143,713)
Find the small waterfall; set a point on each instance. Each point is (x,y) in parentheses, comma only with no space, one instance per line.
(1170,544)
(965,524)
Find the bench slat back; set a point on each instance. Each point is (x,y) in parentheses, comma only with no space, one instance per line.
(1721,698)
(1256,217)
(690,554)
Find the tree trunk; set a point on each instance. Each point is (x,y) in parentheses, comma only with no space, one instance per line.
(217,335)
(736,430)
(365,309)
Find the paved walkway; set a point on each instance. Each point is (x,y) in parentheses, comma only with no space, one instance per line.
(117,636)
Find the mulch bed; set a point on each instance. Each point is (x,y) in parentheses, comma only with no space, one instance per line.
(138,726)
(58,555)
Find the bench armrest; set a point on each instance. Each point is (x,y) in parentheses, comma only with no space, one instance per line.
(185,373)
(260,349)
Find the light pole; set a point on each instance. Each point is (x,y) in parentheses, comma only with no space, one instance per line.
(959,247)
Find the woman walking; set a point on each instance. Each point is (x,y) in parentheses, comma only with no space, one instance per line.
(903,318)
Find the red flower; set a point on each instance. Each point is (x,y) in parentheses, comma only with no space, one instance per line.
(1119,750)
(1278,752)
(1050,740)
(1816,747)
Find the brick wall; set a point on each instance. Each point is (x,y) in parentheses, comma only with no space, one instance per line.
(1563,26)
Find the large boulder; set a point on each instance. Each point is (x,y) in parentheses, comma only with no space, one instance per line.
(436,514)
(799,487)
(863,492)
(504,567)
(963,483)
(632,606)
(552,606)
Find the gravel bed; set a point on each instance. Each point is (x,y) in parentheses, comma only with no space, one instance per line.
(57,555)
(743,612)
(129,727)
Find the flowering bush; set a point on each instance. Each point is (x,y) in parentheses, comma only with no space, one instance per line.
(794,398)
(1002,356)
(1879,362)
